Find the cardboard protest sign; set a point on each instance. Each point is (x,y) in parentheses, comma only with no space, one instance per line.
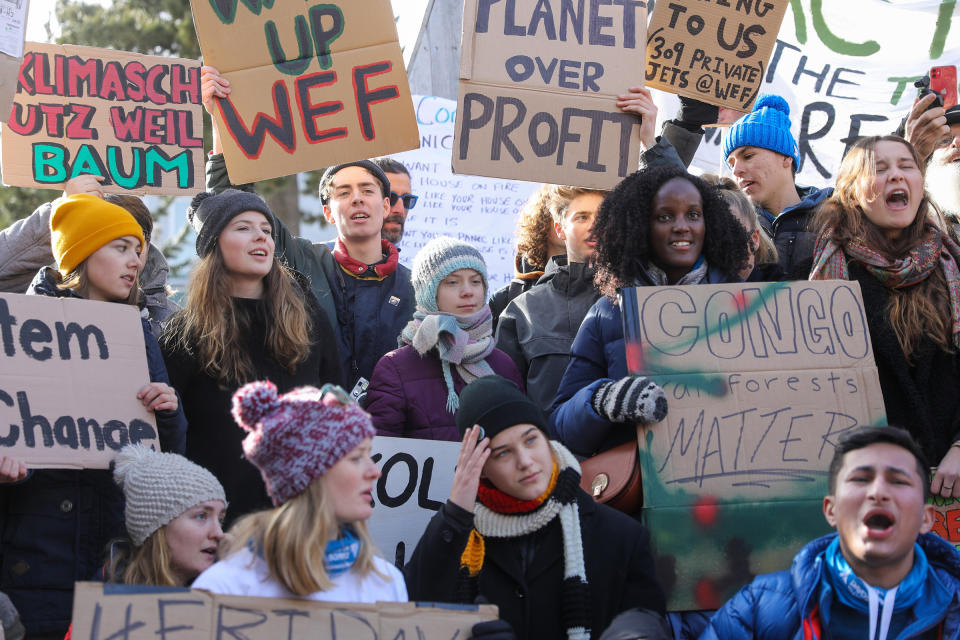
(761,380)
(415,481)
(69,377)
(312,84)
(134,612)
(134,119)
(538,82)
(714,52)
(947,519)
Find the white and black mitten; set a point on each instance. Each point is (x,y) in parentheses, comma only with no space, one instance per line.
(631,399)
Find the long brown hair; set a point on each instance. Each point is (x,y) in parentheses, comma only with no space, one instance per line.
(916,311)
(148,564)
(79,282)
(293,537)
(211,327)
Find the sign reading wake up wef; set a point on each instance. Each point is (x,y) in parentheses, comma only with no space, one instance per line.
(312,83)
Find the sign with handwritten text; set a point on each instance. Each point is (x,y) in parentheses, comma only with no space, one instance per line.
(137,612)
(70,371)
(312,84)
(133,119)
(714,52)
(537,92)
(761,380)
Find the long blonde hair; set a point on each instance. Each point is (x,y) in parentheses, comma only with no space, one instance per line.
(211,327)
(148,564)
(916,311)
(292,539)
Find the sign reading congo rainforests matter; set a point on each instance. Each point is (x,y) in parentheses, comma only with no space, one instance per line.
(135,120)
(312,83)
(761,380)
(538,87)
(70,371)
(714,52)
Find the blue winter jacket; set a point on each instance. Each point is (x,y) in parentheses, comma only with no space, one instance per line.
(794,604)
(598,355)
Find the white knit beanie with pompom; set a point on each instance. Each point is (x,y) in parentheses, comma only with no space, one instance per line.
(158,487)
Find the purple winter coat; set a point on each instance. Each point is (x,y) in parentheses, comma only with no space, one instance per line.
(407,396)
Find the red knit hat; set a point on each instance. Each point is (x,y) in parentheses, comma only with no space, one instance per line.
(296,437)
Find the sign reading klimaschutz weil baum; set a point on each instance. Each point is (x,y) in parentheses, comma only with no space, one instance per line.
(761,381)
(538,87)
(70,371)
(133,119)
(716,52)
(313,83)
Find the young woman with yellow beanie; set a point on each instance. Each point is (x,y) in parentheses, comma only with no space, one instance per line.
(55,523)
(247,318)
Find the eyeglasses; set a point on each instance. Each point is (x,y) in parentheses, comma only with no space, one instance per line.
(409,200)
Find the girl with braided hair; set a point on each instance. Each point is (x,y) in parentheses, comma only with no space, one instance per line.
(660,226)
(880,229)
(520,532)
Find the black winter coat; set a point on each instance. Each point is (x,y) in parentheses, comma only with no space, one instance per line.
(616,553)
(920,397)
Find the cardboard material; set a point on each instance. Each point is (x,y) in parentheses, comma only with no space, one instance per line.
(134,119)
(947,522)
(538,87)
(312,84)
(761,380)
(13,31)
(415,482)
(143,613)
(716,52)
(69,375)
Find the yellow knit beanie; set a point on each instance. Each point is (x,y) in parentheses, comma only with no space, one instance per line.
(83,223)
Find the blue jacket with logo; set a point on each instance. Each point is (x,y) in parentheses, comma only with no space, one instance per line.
(796,604)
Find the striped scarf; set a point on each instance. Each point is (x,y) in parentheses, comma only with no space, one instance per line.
(937,249)
(463,341)
(498,515)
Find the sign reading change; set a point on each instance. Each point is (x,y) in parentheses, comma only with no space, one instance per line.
(761,380)
(70,371)
(715,52)
(312,83)
(133,119)
(538,87)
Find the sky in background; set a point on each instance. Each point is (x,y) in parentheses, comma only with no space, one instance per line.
(410,14)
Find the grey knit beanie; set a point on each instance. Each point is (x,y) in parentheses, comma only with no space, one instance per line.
(158,487)
(209,214)
(436,260)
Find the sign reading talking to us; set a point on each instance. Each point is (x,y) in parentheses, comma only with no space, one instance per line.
(538,87)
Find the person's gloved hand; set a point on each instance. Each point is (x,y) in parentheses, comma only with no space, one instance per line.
(694,114)
(631,399)
(492,630)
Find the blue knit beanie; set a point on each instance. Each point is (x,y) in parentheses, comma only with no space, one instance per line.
(436,260)
(767,127)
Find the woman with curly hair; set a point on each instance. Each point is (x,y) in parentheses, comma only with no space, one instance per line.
(880,229)
(247,318)
(537,242)
(657,227)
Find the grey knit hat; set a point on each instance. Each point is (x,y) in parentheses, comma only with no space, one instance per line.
(436,260)
(158,487)
(370,166)
(209,214)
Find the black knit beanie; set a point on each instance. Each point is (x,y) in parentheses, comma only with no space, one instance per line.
(209,214)
(496,404)
(372,167)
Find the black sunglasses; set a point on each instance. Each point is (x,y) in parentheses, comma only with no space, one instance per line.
(409,200)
